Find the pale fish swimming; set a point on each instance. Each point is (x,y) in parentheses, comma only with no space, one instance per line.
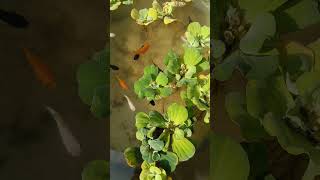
(69,141)
(131,106)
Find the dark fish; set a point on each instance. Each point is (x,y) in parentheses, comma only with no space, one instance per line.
(13,19)
(114,67)
(152,103)
(189,20)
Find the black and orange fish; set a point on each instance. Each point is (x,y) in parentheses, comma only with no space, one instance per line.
(142,50)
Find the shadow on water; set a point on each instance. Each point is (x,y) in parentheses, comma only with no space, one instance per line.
(162,38)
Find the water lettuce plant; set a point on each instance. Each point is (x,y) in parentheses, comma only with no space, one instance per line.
(93,85)
(157,11)
(153,85)
(165,138)
(267,44)
(197,35)
(114,4)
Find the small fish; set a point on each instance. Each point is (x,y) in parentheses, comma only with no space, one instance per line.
(131,106)
(41,70)
(122,83)
(112,35)
(69,141)
(13,19)
(114,67)
(152,103)
(142,50)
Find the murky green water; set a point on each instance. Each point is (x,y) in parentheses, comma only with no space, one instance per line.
(129,37)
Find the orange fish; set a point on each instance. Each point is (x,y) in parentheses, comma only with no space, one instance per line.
(122,83)
(142,50)
(41,70)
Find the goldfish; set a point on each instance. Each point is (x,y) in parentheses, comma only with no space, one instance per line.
(122,83)
(70,142)
(131,106)
(13,19)
(142,50)
(41,70)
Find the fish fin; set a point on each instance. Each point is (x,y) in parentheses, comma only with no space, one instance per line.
(69,141)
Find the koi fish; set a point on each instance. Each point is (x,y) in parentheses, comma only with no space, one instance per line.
(131,106)
(114,67)
(122,83)
(41,70)
(69,141)
(13,19)
(142,50)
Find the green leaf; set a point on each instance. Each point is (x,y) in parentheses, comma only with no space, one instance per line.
(224,70)
(142,120)
(183,148)
(156,119)
(291,141)
(307,83)
(258,158)
(169,161)
(191,71)
(156,144)
(205,32)
(203,66)
(219,48)
(151,70)
(166,91)
(96,170)
(99,106)
(227,156)
(168,20)
(134,14)
(153,14)
(269,95)
(194,28)
(178,133)
(254,8)
(312,171)
(172,62)
(251,128)
(177,114)
(263,28)
(261,66)
(162,79)
(302,12)
(315,46)
(192,56)
(133,156)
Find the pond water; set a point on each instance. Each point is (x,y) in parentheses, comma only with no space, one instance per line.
(129,37)
(63,34)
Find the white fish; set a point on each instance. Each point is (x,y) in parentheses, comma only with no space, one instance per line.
(112,35)
(132,107)
(69,141)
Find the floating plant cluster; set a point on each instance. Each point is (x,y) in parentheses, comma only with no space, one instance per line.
(157,11)
(266,44)
(165,138)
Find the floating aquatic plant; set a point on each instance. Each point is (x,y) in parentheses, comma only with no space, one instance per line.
(92,83)
(153,85)
(280,65)
(114,4)
(157,11)
(164,139)
(197,35)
